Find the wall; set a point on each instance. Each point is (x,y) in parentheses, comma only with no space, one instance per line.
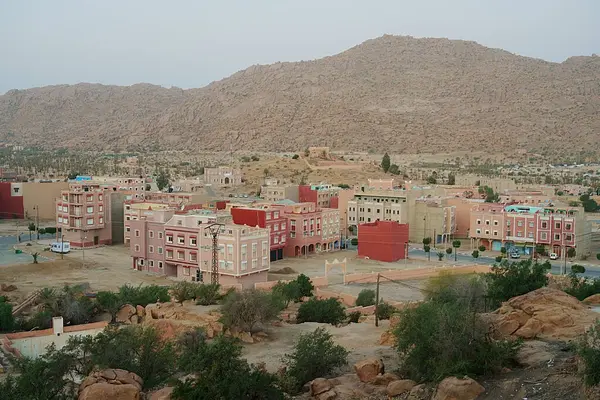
(410,274)
(382,241)
(463,215)
(306,194)
(10,205)
(117,217)
(43,196)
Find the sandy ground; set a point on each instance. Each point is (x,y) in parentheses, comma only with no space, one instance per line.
(361,340)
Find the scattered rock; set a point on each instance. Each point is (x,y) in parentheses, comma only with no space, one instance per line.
(396,388)
(320,385)
(328,395)
(453,388)
(368,369)
(385,379)
(245,337)
(162,394)
(140,311)
(125,313)
(115,384)
(419,392)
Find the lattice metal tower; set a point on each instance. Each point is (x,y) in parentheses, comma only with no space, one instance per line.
(214,230)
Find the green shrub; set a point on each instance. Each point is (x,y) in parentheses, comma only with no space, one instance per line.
(589,350)
(305,286)
(482,249)
(385,310)
(436,340)
(315,355)
(144,295)
(583,288)
(468,290)
(295,157)
(40,320)
(207,293)
(287,292)
(110,302)
(328,311)
(449,250)
(354,317)
(184,290)
(354,242)
(221,372)
(7,321)
(246,309)
(51,230)
(475,254)
(508,280)
(577,269)
(498,259)
(365,298)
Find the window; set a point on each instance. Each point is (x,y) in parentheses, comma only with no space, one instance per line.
(100,197)
(275,239)
(268,216)
(180,240)
(137,233)
(151,234)
(137,248)
(101,220)
(544,225)
(169,239)
(230,265)
(568,226)
(519,234)
(531,224)
(186,270)
(151,263)
(568,237)
(253,250)
(244,251)
(495,223)
(520,223)
(478,231)
(244,265)
(160,250)
(151,249)
(230,249)
(180,255)
(283,239)
(128,218)
(90,209)
(530,235)
(478,222)
(222,264)
(283,226)
(495,233)
(264,261)
(487,221)
(193,241)
(60,220)
(276,214)
(90,221)
(169,253)
(193,257)
(127,229)
(556,236)
(160,235)
(557,225)
(292,235)
(276,227)
(544,236)
(160,264)
(487,232)
(89,198)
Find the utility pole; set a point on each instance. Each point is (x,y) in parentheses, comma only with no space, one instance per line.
(37,220)
(377,302)
(62,246)
(214,230)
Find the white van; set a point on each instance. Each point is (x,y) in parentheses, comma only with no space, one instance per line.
(60,247)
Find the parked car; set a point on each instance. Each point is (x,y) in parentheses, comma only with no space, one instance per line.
(553,256)
(515,254)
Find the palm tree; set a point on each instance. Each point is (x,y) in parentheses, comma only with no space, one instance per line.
(456,245)
(35,256)
(31,228)
(427,248)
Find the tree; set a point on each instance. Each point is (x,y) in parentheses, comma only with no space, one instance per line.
(394,169)
(571,252)
(7,321)
(456,244)
(306,286)
(183,291)
(329,311)
(503,251)
(481,249)
(354,242)
(451,179)
(163,179)
(427,248)
(365,298)
(110,302)
(148,187)
(31,228)
(449,251)
(475,254)
(577,269)
(385,310)
(590,205)
(246,309)
(431,180)
(287,291)
(207,294)
(440,255)
(385,162)
(343,186)
(508,280)
(266,172)
(315,355)
(597,256)
(588,349)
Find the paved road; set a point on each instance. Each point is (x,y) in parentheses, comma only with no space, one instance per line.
(591,270)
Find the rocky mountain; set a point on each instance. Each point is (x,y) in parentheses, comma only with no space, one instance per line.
(392,93)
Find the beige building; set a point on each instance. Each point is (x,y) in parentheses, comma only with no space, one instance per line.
(39,199)
(499,185)
(275,193)
(223,176)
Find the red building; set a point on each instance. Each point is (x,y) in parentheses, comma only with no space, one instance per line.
(383,240)
(272,218)
(11,200)
(321,195)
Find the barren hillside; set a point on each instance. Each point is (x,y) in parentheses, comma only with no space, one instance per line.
(393,93)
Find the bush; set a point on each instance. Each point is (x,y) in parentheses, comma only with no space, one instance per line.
(385,310)
(589,351)
(254,158)
(39,320)
(440,256)
(583,288)
(354,242)
(449,250)
(467,290)
(498,259)
(328,311)
(70,303)
(295,157)
(144,295)
(365,298)
(110,302)
(508,280)
(246,309)
(305,285)
(220,371)
(354,317)
(315,355)
(183,291)
(287,292)
(51,230)
(7,321)
(439,340)
(207,293)
(475,254)
(482,249)
(577,269)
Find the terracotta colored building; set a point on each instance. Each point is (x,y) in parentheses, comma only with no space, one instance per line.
(271,218)
(321,195)
(383,241)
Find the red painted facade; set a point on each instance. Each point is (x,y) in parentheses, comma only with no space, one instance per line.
(272,218)
(307,195)
(382,240)
(10,206)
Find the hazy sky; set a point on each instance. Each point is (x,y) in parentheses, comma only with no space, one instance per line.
(189,43)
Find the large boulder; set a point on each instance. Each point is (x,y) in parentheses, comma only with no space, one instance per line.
(367,370)
(320,385)
(388,338)
(161,394)
(593,300)
(115,384)
(396,388)
(458,389)
(534,353)
(544,313)
(125,313)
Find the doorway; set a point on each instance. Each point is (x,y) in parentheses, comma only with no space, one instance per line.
(96,240)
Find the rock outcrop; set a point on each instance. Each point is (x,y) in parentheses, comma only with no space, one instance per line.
(458,389)
(367,370)
(387,338)
(114,384)
(544,313)
(161,394)
(396,388)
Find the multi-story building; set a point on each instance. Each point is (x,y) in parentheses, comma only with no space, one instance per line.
(523,228)
(275,193)
(268,217)
(321,194)
(89,213)
(223,176)
(182,247)
(133,211)
(311,230)
(373,205)
(178,198)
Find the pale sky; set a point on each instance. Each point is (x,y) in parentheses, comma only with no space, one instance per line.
(189,43)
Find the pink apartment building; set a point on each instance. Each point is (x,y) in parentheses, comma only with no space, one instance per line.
(525,227)
(269,217)
(311,230)
(134,210)
(179,246)
(83,214)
